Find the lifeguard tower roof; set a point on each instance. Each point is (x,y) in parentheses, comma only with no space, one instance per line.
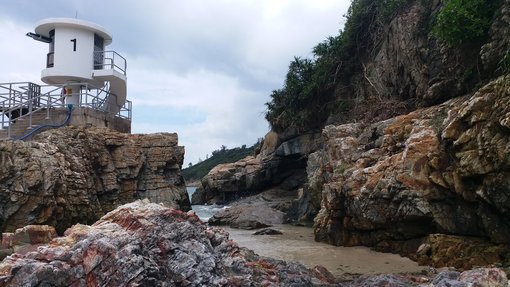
(44,27)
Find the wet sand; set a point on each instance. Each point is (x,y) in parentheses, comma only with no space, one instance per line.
(297,244)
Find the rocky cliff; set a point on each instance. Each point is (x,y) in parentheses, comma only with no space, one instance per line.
(431,185)
(443,169)
(74,174)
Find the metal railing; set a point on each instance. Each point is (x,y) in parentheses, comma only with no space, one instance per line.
(18,101)
(110,60)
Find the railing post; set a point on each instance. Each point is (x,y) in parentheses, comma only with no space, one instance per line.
(48,105)
(3,115)
(30,102)
(9,129)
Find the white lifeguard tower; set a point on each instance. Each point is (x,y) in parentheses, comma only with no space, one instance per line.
(83,80)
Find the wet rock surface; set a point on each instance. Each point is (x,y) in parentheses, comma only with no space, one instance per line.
(268,231)
(143,243)
(77,174)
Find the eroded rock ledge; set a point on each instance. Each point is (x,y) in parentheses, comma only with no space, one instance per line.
(76,175)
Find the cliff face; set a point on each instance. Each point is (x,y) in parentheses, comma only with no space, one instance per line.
(443,169)
(73,175)
(401,65)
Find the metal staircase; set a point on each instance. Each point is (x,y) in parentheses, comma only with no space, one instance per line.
(25,105)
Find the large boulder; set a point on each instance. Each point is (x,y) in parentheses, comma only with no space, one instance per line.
(146,244)
(77,174)
(226,182)
(280,162)
(443,169)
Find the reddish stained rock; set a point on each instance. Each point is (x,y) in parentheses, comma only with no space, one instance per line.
(143,243)
(33,234)
(26,239)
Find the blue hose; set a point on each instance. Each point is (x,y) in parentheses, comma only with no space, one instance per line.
(39,128)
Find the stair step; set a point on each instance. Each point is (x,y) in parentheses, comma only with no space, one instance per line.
(21,126)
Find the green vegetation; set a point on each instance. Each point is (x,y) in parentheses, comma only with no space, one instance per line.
(504,64)
(389,7)
(223,155)
(308,94)
(461,21)
(328,83)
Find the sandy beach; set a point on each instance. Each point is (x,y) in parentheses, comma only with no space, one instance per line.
(297,244)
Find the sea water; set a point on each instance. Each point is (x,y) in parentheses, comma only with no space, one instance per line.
(204,212)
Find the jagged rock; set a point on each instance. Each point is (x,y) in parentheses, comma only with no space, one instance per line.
(26,239)
(495,50)
(443,169)
(403,62)
(482,277)
(147,244)
(226,182)
(77,174)
(247,216)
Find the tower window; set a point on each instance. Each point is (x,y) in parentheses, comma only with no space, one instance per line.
(98,52)
(50,57)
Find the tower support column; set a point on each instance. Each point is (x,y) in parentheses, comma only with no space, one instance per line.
(72,95)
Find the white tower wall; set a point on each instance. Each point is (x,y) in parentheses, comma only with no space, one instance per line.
(74,50)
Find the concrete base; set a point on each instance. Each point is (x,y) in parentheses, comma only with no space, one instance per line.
(56,116)
(90,117)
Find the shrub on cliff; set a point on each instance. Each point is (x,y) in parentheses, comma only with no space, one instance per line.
(461,21)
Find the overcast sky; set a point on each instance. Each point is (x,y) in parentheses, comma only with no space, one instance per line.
(200,68)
